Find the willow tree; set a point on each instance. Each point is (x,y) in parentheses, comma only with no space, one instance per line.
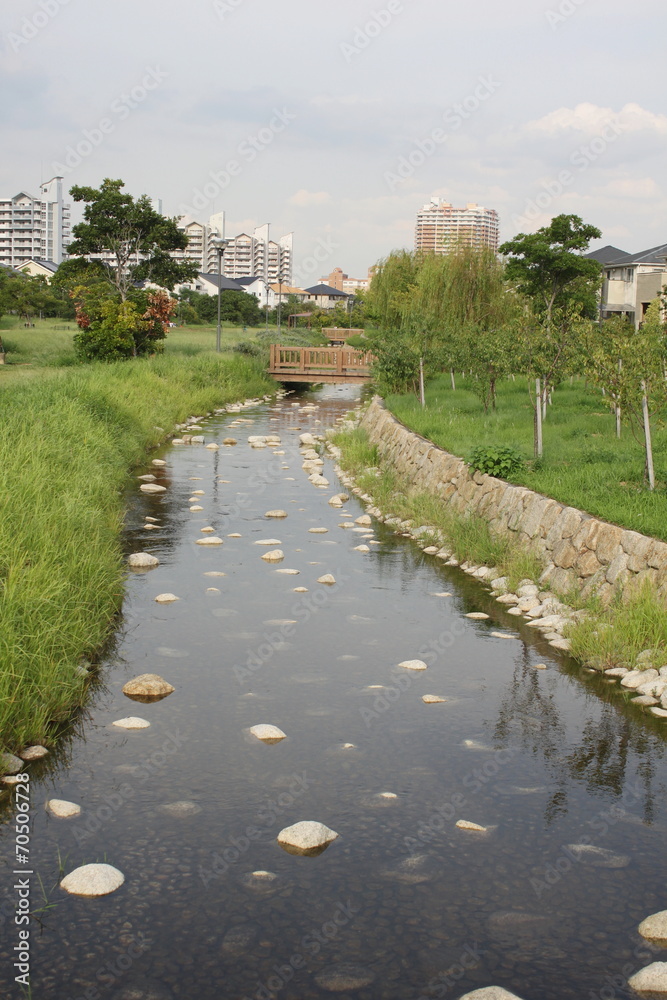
(464,304)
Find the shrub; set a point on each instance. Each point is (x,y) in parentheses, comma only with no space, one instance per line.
(496,460)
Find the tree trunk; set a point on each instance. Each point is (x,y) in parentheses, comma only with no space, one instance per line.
(493,393)
(453,380)
(422,397)
(647,436)
(538,419)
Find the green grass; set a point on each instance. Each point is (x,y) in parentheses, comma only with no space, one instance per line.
(615,635)
(584,465)
(68,440)
(469,537)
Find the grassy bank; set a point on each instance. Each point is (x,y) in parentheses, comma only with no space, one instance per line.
(605,637)
(68,440)
(584,465)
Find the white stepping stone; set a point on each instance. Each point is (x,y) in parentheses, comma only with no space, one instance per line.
(143,560)
(211,540)
(433,699)
(275,555)
(413,665)
(33,753)
(148,686)
(268,734)
(268,541)
(306,837)
(132,722)
(152,488)
(328,579)
(477,616)
(62,808)
(276,513)
(93,880)
(166,598)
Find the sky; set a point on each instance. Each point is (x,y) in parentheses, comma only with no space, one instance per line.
(337,122)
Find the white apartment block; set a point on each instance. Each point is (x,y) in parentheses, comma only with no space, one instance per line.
(256,255)
(35,228)
(440,225)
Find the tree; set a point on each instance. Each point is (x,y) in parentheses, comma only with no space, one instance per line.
(630,364)
(137,236)
(561,286)
(111,330)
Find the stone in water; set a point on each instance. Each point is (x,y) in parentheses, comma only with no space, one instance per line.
(93,880)
(307,838)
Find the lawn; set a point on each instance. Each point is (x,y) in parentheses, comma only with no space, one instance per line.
(49,342)
(584,465)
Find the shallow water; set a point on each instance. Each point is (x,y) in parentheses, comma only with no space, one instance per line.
(545,759)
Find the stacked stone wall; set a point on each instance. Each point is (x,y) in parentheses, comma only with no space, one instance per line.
(579,551)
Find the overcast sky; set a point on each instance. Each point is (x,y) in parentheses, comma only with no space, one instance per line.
(338,121)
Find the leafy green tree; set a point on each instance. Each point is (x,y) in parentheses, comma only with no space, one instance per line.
(630,366)
(138,237)
(549,269)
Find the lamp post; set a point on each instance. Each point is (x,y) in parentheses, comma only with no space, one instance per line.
(220,245)
(280,300)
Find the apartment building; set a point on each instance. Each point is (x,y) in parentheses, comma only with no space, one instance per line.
(440,225)
(35,228)
(256,255)
(344,283)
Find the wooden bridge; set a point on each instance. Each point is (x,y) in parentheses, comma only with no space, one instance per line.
(319,364)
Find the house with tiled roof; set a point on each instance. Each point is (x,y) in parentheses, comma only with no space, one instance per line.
(631,281)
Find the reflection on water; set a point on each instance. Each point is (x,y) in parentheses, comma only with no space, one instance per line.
(403,904)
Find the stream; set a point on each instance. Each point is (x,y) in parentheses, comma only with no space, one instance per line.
(403,904)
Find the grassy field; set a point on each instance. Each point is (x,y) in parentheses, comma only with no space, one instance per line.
(49,342)
(584,465)
(68,439)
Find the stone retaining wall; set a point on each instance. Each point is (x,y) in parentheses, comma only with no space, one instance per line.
(579,551)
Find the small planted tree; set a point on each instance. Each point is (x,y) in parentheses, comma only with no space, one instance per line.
(630,365)
(549,269)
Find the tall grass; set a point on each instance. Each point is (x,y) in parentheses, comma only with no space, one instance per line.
(67,441)
(469,536)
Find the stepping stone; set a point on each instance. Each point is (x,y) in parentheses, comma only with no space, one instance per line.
(318,531)
(268,734)
(166,598)
(93,880)
(33,753)
(413,665)
(9,764)
(327,579)
(158,462)
(361,548)
(477,616)
(304,590)
(207,530)
(152,488)
(433,699)
(151,520)
(62,808)
(503,635)
(268,541)
(275,555)
(654,928)
(464,824)
(214,572)
(211,540)
(307,838)
(143,560)
(276,513)
(132,722)
(150,686)
(196,508)
(651,980)
(230,442)
(364,520)
(234,534)
(490,993)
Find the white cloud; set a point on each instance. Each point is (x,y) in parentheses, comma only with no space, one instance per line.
(628,187)
(304,198)
(591,119)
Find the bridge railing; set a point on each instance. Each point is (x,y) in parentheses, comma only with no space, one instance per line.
(319,360)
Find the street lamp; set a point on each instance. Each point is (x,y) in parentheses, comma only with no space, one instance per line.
(220,246)
(280,300)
